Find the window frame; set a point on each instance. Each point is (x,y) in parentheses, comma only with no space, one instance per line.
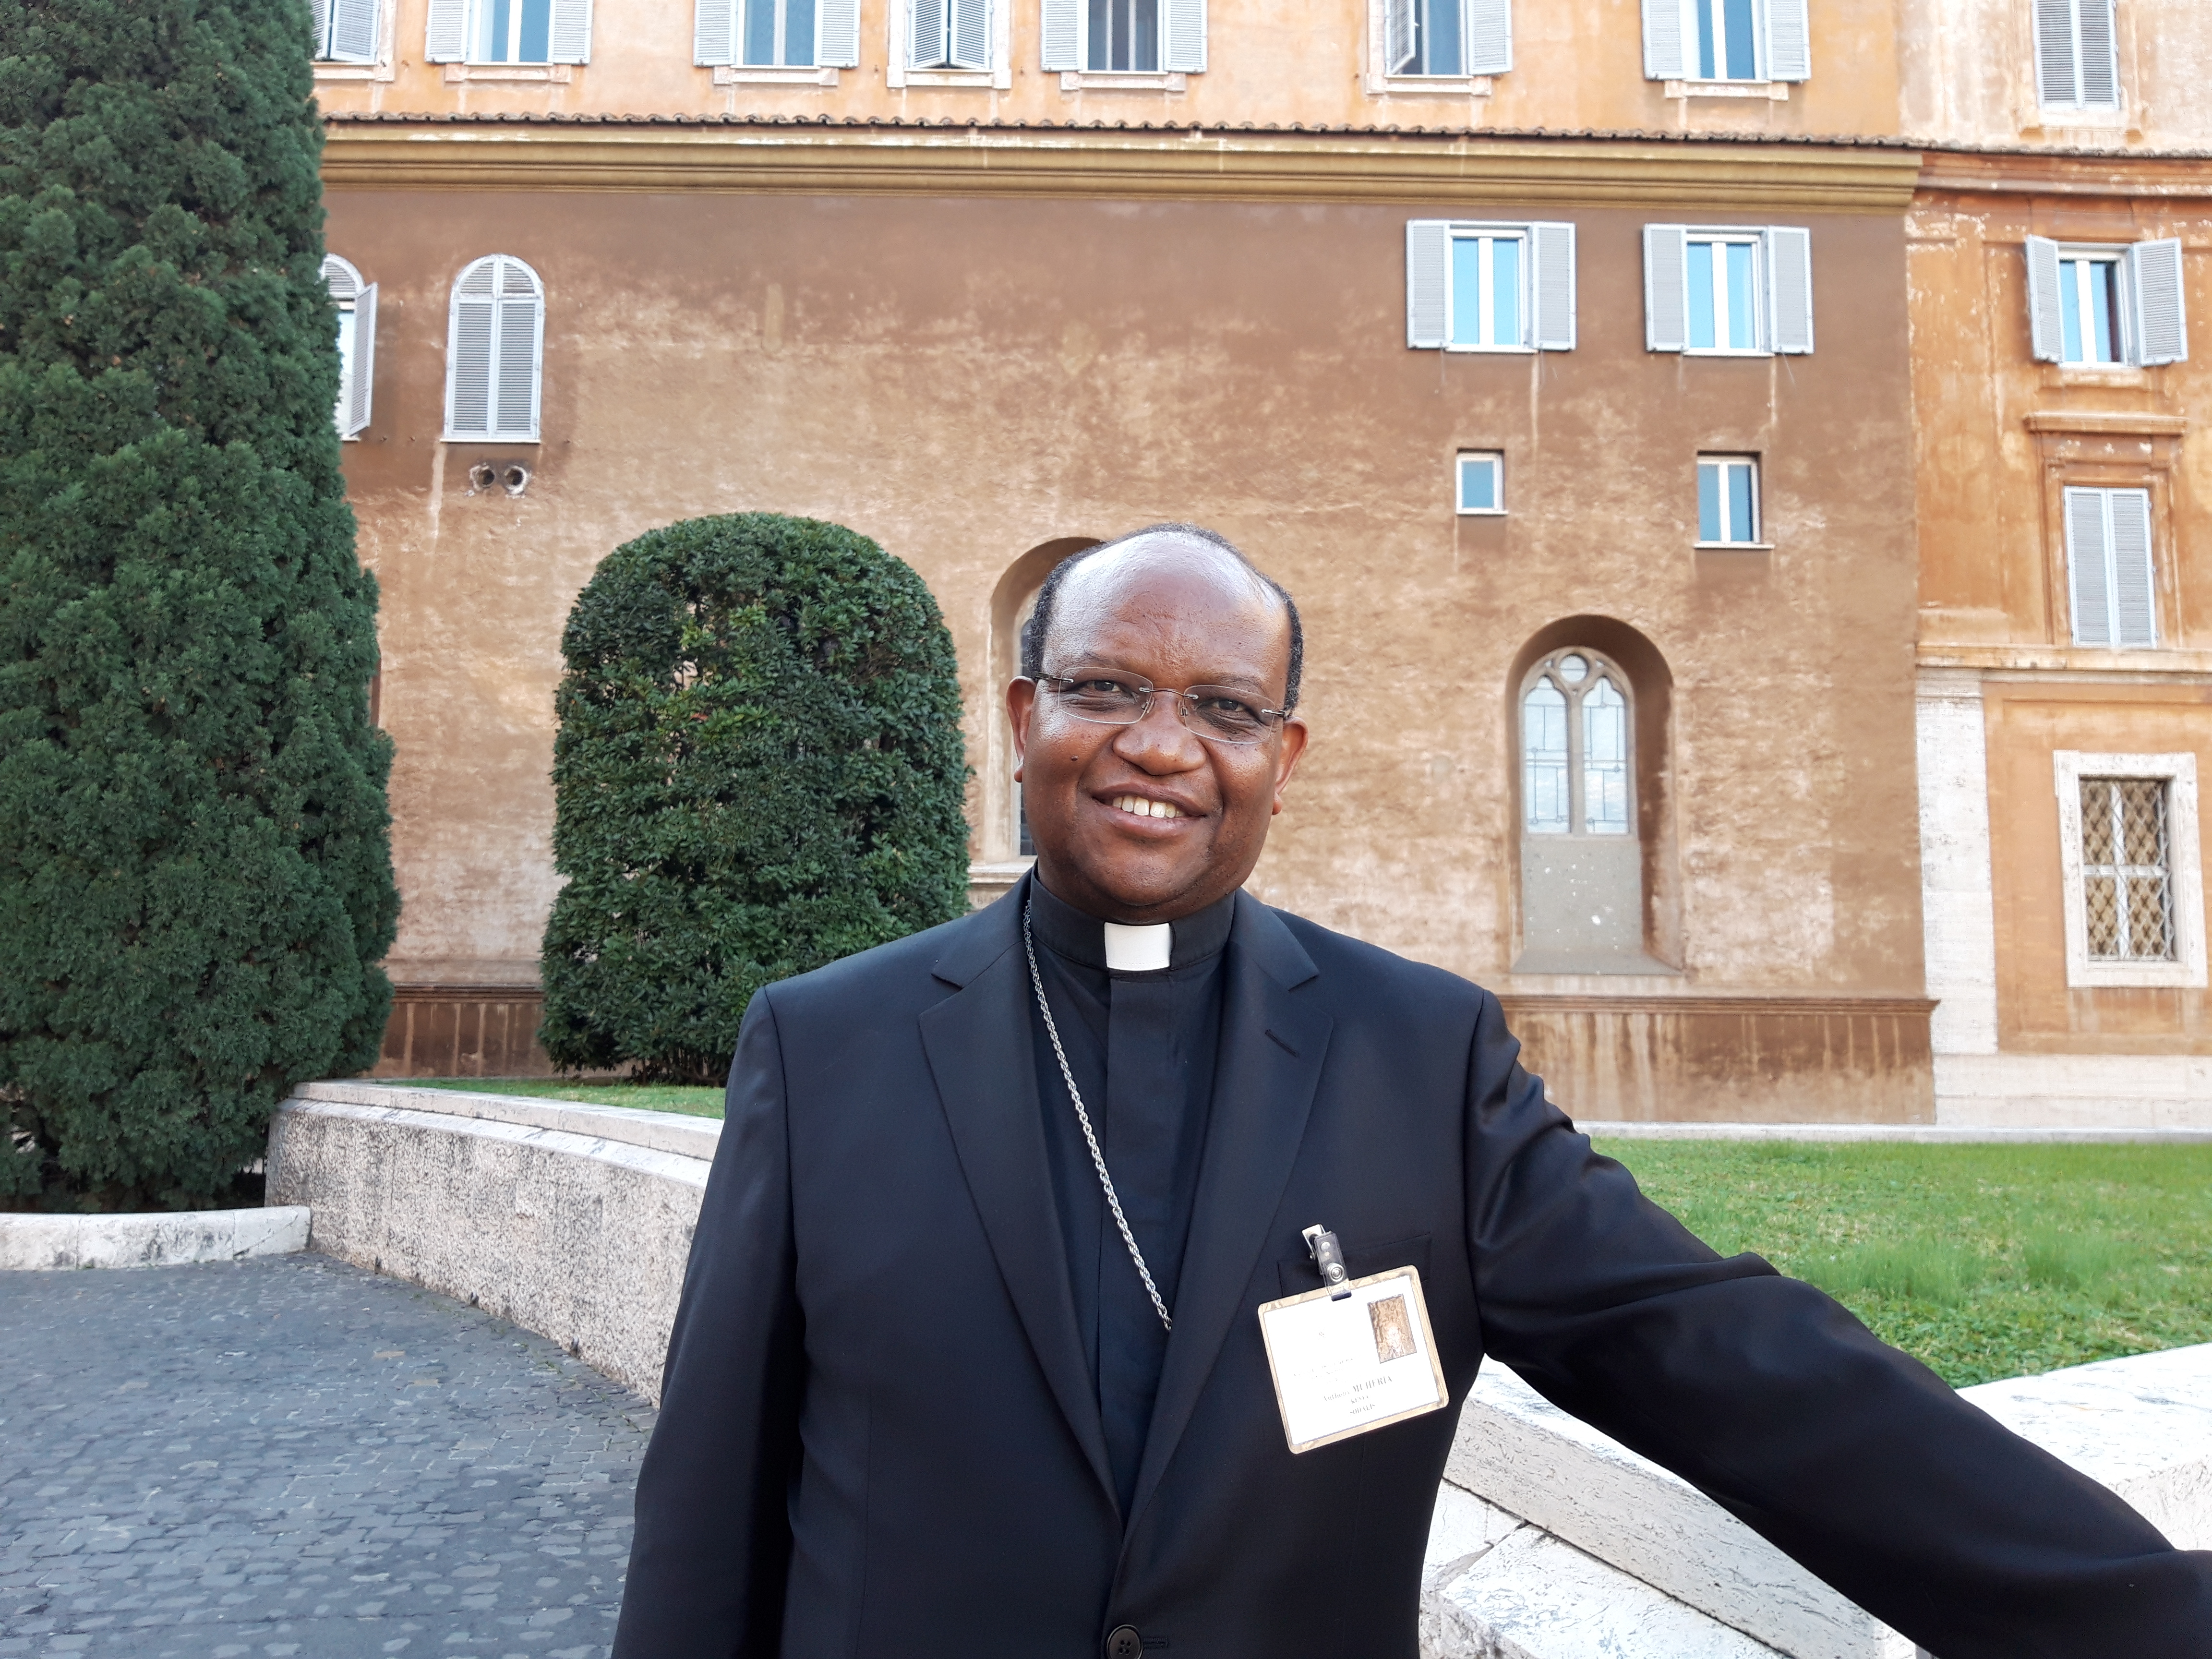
(1494,460)
(357,367)
(1713,15)
(2184,875)
(454,300)
(479,25)
(2071,256)
(2079,104)
(1756,241)
(1491,235)
(778,37)
(1723,460)
(2106,495)
(1603,670)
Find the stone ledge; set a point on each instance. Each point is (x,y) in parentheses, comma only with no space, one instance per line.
(627,1126)
(164,1238)
(1942,1134)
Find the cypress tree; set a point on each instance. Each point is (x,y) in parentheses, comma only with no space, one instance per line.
(759,769)
(195,873)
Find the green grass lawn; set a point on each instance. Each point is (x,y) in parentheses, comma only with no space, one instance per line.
(1983,1261)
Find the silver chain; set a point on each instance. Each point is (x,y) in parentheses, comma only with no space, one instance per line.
(1089,1139)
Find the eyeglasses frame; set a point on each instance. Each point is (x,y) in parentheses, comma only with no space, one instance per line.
(1271,719)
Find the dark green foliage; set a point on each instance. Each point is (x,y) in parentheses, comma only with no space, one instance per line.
(759,771)
(195,877)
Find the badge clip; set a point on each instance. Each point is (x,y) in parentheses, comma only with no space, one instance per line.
(1328,1256)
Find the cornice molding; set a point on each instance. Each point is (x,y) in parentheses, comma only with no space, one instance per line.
(2103,423)
(2033,172)
(1427,170)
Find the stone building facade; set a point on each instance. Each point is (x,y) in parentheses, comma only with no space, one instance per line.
(1568,376)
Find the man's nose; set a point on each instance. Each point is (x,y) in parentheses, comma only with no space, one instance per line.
(1160,742)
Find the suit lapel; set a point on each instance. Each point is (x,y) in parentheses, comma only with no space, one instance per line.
(1271,1058)
(979,1046)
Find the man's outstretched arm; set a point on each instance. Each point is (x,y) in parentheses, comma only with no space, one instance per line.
(1771,1399)
(712,1545)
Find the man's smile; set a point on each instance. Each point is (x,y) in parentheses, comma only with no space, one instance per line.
(1131,804)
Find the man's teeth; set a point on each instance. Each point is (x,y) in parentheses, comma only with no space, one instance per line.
(1147,809)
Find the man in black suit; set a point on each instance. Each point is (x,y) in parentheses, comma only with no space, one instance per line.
(969,1360)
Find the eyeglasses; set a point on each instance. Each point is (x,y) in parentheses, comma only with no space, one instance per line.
(1220,714)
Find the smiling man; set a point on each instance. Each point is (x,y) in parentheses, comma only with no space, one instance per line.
(1095,1275)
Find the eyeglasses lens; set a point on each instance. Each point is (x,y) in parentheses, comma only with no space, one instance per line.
(1218,712)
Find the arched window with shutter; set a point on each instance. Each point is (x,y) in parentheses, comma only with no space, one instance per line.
(356,307)
(495,349)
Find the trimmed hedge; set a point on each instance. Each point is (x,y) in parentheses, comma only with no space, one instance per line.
(195,874)
(759,771)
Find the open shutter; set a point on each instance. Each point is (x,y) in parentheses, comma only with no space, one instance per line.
(2057,78)
(1398,37)
(2161,327)
(1428,272)
(353,30)
(2133,609)
(971,33)
(1665,55)
(2100,63)
(571,34)
(1666,307)
(517,386)
(837,33)
(445,40)
(2047,324)
(2088,558)
(321,11)
(926,42)
(1489,36)
(1551,280)
(364,363)
(468,350)
(1789,288)
(1789,41)
(1183,36)
(1062,35)
(715,32)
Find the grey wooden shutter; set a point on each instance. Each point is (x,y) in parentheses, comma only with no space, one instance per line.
(1398,37)
(715,32)
(1666,304)
(2162,325)
(354,417)
(2100,60)
(1789,41)
(1489,36)
(971,33)
(1183,36)
(2047,325)
(1428,273)
(1062,35)
(2134,611)
(2088,556)
(1664,56)
(1551,281)
(446,38)
(516,348)
(571,34)
(2057,73)
(1789,288)
(926,46)
(837,31)
(468,353)
(321,11)
(353,30)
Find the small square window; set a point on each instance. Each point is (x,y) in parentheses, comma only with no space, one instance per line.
(1482,483)
(1727,500)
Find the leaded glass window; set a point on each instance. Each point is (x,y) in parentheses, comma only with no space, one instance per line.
(1577,755)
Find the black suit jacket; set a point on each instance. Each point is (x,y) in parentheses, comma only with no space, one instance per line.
(878,1436)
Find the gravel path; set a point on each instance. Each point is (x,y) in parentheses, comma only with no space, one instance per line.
(291,1456)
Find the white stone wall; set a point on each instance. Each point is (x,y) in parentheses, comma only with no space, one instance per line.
(1957,917)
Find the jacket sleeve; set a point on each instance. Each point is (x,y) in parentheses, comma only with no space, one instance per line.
(1772,1400)
(713,1543)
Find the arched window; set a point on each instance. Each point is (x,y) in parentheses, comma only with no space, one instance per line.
(1575,757)
(1004,835)
(356,306)
(495,344)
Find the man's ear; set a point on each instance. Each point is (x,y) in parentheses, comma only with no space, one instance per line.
(1021,698)
(1294,746)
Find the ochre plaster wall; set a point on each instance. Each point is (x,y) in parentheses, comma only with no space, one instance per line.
(1578,63)
(964,379)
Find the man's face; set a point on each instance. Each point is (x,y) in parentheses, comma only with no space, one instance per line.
(1179,613)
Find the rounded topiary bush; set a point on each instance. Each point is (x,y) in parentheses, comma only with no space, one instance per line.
(759,771)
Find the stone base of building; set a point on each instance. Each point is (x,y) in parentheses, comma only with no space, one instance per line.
(2098,1092)
(464,1030)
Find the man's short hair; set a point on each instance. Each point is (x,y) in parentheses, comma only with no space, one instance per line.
(1040,623)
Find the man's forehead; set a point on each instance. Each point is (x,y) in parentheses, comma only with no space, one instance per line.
(1175,583)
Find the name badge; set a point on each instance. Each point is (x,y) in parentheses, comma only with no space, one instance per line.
(1343,1364)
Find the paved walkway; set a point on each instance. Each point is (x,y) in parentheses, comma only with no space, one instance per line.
(291,1456)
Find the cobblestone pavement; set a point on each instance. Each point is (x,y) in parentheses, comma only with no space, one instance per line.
(292,1457)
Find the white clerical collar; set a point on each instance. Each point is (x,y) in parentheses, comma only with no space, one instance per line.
(1138,950)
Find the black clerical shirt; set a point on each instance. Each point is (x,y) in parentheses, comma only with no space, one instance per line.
(1142,1048)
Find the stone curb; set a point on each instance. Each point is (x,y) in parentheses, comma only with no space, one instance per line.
(161,1238)
(629,1126)
(1953,1134)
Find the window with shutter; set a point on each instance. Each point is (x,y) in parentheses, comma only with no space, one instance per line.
(1720,286)
(1552,279)
(2047,325)
(1664,57)
(2105,307)
(355,305)
(1487,300)
(493,354)
(1666,323)
(2077,55)
(1061,34)
(2109,568)
(1489,37)
(571,31)
(838,34)
(715,32)
(950,35)
(446,36)
(1428,275)
(345,30)
(1477,287)
(2161,327)
(1789,41)
(1789,288)
(1183,27)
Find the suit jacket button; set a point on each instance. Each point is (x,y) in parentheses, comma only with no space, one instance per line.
(1125,1643)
